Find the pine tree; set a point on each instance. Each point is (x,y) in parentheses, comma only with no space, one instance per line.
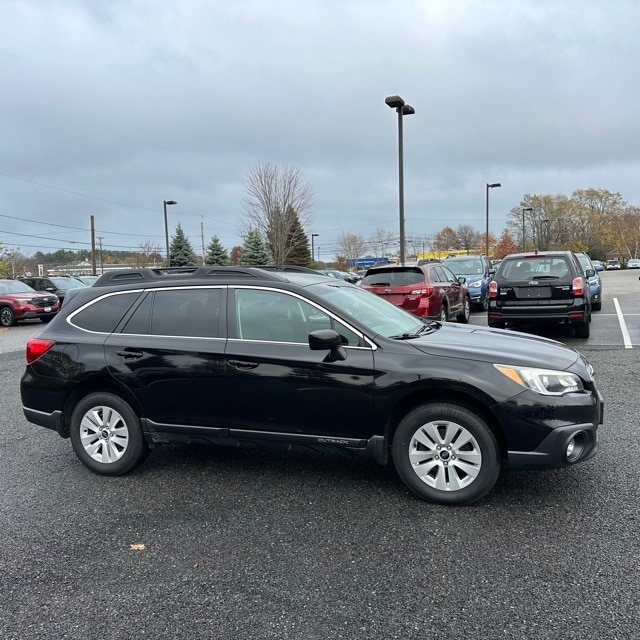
(216,253)
(298,252)
(255,251)
(181,252)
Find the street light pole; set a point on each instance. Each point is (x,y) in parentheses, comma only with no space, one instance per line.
(489,186)
(523,210)
(166,228)
(402,109)
(313,235)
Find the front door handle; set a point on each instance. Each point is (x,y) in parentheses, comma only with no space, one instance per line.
(130,354)
(243,364)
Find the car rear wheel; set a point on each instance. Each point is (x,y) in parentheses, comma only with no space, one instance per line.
(466,311)
(596,306)
(106,434)
(443,315)
(7,317)
(446,453)
(497,325)
(583,330)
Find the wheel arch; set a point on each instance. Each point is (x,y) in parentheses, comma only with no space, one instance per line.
(460,397)
(94,385)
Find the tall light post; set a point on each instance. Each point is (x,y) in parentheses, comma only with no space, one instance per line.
(523,210)
(166,228)
(402,109)
(313,257)
(489,186)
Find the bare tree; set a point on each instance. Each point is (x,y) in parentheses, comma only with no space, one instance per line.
(380,241)
(351,246)
(467,236)
(147,254)
(273,197)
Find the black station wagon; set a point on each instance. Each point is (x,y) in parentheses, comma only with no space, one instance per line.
(288,357)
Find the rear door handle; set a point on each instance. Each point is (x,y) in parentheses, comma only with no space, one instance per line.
(130,354)
(243,364)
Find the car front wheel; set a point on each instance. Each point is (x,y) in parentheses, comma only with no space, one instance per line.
(464,315)
(106,434)
(446,453)
(7,317)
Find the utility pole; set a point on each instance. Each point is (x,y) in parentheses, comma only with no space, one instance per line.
(101,262)
(202,237)
(93,247)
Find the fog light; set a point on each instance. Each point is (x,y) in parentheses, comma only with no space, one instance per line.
(575,447)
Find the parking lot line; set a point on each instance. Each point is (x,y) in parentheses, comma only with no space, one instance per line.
(623,326)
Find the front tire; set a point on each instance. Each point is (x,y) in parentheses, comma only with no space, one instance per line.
(7,317)
(106,434)
(446,453)
(466,311)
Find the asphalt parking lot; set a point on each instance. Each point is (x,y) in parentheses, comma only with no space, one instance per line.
(226,543)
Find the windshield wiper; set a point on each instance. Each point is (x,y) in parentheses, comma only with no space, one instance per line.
(425,328)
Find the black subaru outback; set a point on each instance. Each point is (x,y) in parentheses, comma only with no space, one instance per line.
(290,358)
(540,288)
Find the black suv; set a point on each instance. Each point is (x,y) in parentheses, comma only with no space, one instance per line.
(290,358)
(541,287)
(53,284)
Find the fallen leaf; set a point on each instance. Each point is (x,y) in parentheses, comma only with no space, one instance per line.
(137,547)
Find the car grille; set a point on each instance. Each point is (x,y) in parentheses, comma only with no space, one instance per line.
(49,301)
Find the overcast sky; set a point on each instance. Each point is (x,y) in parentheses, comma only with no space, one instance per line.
(109,107)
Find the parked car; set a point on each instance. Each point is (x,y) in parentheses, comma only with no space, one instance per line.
(325,365)
(431,290)
(595,282)
(597,265)
(53,284)
(633,263)
(612,264)
(18,301)
(541,288)
(477,271)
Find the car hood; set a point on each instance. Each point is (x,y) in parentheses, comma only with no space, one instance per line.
(471,277)
(32,295)
(499,346)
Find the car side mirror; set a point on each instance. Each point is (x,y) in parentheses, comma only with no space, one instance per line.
(590,273)
(492,272)
(327,340)
(461,279)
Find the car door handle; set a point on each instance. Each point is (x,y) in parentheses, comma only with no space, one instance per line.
(130,354)
(243,364)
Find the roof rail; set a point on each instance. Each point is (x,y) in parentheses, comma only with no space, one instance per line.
(154,274)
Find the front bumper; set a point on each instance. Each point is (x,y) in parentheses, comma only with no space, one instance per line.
(552,451)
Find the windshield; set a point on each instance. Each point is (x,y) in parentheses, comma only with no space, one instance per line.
(66,283)
(372,311)
(471,266)
(15,286)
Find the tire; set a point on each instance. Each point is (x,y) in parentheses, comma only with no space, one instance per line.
(443,316)
(582,330)
(466,311)
(497,325)
(106,434)
(7,317)
(46,320)
(461,474)
(596,306)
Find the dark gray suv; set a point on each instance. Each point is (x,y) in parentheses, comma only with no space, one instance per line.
(541,287)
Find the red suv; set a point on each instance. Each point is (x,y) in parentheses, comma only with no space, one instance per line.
(429,290)
(18,301)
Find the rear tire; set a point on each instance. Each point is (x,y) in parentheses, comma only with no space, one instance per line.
(497,325)
(443,316)
(106,434)
(446,453)
(583,330)
(596,306)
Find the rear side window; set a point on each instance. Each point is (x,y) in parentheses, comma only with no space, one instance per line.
(193,313)
(104,314)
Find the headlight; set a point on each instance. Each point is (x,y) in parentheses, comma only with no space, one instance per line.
(545,381)
(24,300)
(477,283)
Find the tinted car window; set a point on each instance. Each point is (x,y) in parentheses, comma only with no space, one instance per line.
(521,269)
(186,312)
(105,313)
(394,277)
(277,317)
